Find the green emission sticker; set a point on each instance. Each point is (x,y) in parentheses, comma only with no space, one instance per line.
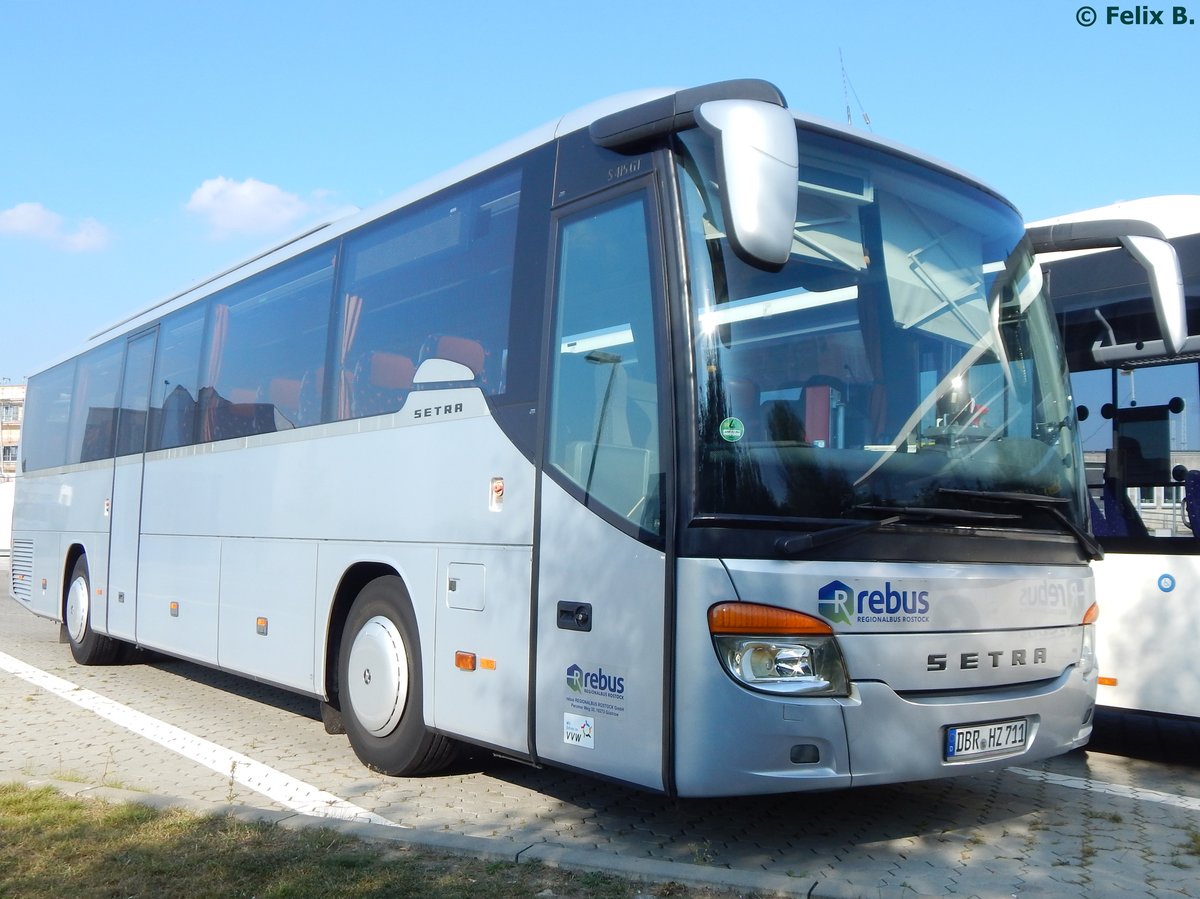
(732,430)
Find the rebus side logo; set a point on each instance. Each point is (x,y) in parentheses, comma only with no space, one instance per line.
(580,681)
(575,679)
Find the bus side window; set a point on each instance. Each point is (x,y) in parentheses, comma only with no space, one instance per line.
(604,405)
(94,410)
(263,337)
(48,417)
(176,387)
(431,280)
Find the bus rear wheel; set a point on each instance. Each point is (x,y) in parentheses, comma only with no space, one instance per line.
(379,685)
(87,646)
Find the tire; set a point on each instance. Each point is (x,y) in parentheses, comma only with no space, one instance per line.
(379,685)
(87,646)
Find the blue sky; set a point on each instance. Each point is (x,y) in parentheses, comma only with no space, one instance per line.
(145,145)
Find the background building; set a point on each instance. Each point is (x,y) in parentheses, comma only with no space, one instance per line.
(12,411)
(12,407)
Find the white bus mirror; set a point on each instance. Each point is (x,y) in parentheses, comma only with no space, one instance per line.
(758,164)
(1161,263)
(1146,243)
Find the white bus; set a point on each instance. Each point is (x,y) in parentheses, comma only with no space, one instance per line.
(686,441)
(1141,444)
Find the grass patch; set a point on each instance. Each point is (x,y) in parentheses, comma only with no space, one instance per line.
(1192,846)
(57,846)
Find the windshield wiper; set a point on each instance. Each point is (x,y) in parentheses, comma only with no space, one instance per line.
(1048,504)
(929,512)
(800,543)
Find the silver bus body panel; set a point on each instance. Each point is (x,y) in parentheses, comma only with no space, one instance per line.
(123,548)
(962,660)
(178,606)
(482,597)
(917,597)
(56,516)
(599,693)
(730,740)
(876,735)
(895,738)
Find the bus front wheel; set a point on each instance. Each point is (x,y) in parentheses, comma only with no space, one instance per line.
(379,685)
(87,646)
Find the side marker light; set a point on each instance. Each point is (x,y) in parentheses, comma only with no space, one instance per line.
(464,661)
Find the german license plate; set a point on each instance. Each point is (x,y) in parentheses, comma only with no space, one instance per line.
(969,740)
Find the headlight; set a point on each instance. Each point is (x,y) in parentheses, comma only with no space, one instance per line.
(777,650)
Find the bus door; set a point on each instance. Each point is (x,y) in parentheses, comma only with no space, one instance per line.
(126,502)
(601,569)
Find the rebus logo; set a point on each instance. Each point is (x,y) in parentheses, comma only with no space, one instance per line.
(575,679)
(597,681)
(835,601)
(838,602)
(890,601)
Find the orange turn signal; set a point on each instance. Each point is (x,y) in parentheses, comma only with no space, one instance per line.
(464,661)
(752,618)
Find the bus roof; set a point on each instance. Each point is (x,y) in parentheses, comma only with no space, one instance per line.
(1175,214)
(556,128)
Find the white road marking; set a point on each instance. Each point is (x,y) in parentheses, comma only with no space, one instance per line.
(275,785)
(1098,786)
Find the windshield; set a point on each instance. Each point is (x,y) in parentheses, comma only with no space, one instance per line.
(903,358)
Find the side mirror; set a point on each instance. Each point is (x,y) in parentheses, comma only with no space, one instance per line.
(758,164)
(1147,244)
(1161,263)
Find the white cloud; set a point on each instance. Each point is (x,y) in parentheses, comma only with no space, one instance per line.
(245,207)
(90,235)
(30,219)
(36,221)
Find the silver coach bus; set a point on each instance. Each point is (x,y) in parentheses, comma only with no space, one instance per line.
(686,441)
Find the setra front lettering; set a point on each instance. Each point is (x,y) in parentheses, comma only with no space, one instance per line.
(996,658)
(435,411)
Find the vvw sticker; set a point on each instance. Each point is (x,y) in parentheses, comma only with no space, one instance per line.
(579,730)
